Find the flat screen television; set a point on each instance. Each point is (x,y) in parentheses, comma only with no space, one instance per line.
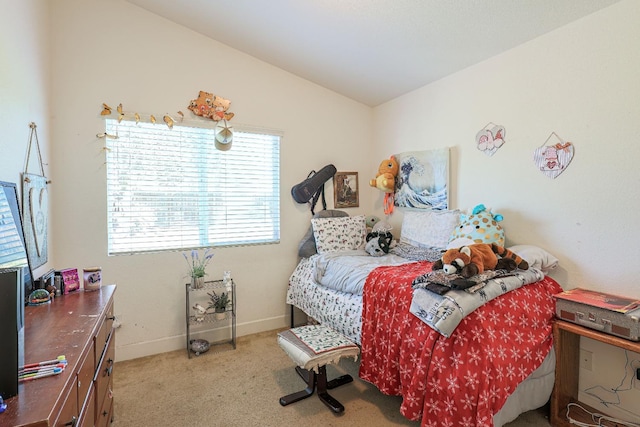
(13,249)
(16,281)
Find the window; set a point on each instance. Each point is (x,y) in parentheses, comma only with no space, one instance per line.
(171,189)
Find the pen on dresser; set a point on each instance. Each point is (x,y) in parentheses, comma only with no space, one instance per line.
(42,369)
(30,377)
(46,362)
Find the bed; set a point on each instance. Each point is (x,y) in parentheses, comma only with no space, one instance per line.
(481,363)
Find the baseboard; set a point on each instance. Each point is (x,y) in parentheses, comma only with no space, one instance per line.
(179,342)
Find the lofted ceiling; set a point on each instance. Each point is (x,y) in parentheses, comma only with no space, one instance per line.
(372,50)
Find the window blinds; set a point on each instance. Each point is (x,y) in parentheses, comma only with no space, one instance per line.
(171,189)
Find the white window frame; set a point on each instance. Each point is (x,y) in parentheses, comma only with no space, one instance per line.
(172,189)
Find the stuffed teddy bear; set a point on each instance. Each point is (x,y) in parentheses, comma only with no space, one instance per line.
(474,259)
(385,180)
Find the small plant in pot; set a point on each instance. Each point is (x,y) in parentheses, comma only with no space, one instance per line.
(218,303)
(197,266)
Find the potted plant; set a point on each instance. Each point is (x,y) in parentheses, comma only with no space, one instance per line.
(218,304)
(197,266)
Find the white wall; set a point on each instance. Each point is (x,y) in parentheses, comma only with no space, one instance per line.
(24,91)
(580,81)
(115,52)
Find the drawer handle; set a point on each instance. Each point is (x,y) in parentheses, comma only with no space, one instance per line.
(72,423)
(105,413)
(109,369)
(111,317)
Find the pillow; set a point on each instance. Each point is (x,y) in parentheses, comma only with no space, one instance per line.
(428,229)
(307,245)
(536,257)
(339,234)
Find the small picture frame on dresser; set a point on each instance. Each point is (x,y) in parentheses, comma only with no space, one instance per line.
(70,280)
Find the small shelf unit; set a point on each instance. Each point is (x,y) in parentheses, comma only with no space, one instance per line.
(210,323)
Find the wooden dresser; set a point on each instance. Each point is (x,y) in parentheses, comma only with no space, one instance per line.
(80,327)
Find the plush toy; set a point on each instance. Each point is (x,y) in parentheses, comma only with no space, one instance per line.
(385,180)
(380,240)
(474,259)
(379,243)
(370,221)
(480,225)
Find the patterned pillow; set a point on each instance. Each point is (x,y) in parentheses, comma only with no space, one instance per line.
(307,245)
(428,229)
(339,234)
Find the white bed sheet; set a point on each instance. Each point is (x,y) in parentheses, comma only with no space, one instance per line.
(347,271)
(340,310)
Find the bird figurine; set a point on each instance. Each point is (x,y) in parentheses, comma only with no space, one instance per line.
(106,110)
(120,112)
(200,311)
(168,120)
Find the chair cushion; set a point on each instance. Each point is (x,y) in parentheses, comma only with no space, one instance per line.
(312,346)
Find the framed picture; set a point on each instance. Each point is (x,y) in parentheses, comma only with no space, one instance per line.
(423,179)
(345,190)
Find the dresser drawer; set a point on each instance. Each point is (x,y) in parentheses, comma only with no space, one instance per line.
(68,415)
(105,371)
(85,375)
(88,413)
(104,415)
(106,325)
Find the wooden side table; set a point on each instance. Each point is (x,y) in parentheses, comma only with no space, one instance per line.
(566,338)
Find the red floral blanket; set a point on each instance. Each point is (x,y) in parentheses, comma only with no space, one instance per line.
(462,380)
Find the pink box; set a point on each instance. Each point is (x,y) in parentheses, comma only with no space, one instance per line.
(70,279)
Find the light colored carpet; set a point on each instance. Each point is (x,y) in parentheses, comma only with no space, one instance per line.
(241,388)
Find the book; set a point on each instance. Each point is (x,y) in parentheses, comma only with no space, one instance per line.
(612,302)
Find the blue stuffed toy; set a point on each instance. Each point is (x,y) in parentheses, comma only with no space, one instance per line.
(480,226)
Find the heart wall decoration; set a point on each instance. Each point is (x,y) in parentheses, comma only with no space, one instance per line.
(553,159)
(490,138)
(35,207)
